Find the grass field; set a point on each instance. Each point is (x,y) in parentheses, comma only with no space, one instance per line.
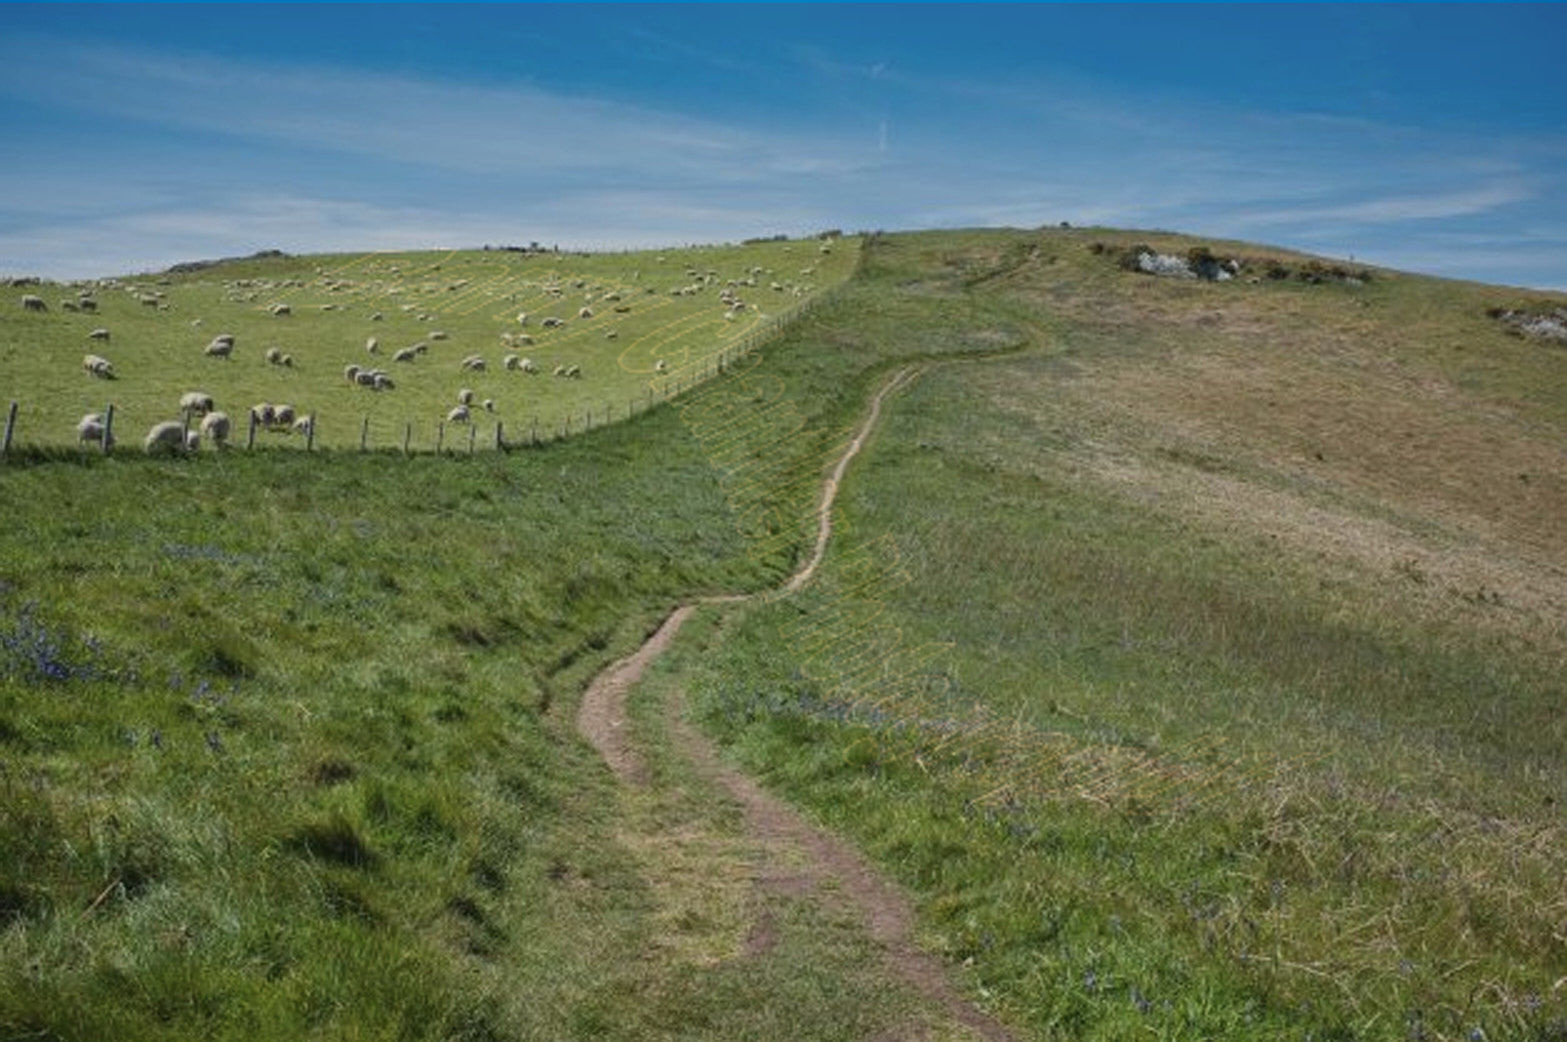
(623,317)
(1191,651)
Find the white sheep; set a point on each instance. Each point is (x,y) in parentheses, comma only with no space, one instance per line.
(166,436)
(367,377)
(99,334)
(97,365)
(287,361)
(660,366)
(613,334)
(261,414)
(489,405)
(87,304)
(373,346)
(522,318)
(523,339)
(216,426)
(382,382)
(220,349)
(280,310)
(351,373)
(573,372)
(512,363)
(33,303)
(465,396)
(585,312)
(553,323)
(375,316)
(92,428)
(458,415)
(407,354)
(473,363)
(196,403)
(437,334)
(282,416)
(527,365)
(274,355)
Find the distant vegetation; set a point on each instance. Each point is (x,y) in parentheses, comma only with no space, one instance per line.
(1190,649)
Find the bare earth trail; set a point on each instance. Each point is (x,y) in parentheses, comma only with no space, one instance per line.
(796,857)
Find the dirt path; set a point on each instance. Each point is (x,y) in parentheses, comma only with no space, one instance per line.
(820,863)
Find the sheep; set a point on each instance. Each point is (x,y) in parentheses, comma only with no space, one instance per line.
(523,340)
(33,303)
(522,318)
(287,361)
(489,405)
(274,356)
(473,363)
(419,347)
(261,414)
(553,323)
(219,349)
(303,424)
(216,426)
(438,334)
(282,416)
(375,316)
(373,346)
(92,428)
(660,366)
(560,370)
(465,396)
(351,373)
(527,366)
(613,334)
(97,365)
(407,354)
(367,377)
(192,441)
(88,304)
(168,436)
(196,402)
(573,372)
(279,310)
(99,334)
(382,382)
(585,312)
(458,415)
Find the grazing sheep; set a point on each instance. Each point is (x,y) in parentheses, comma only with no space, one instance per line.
(382,382)
(553,323)
(220,349)
(523,339)
(97,365)
(168,436)
(585,312)
(473,363)
(489,405)
(215,426)
(283,416)
(511,363)
(87,304)
(407,354)
(458,415)
(373,346)
(465,396)
(33,303)
(522,318)
(281,309)
(274,356)
(367,377)
(560,370)
(527,366)
(196,402)
(303,425)
(261,414)
(573,372)
(437,334)
(660,366)
(99,334)
(613,334)
(375,316)
(351,373)
(287,361)
(91,428)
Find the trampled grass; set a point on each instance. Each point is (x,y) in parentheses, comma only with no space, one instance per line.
(1190,650)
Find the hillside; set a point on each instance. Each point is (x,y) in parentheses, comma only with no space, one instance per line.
(1188,649)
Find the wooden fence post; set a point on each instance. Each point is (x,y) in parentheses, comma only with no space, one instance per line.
(499,441)
(310,432)
(108,427)
(364,434)
(473,434)
(408,433)
(250,438)
(10,427)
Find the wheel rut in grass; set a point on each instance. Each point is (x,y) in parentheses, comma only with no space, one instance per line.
(795,857)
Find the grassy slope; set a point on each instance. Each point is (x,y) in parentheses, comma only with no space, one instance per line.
(1247,722)
(471,296)
(396,833)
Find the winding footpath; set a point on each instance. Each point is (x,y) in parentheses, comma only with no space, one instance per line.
(796,856)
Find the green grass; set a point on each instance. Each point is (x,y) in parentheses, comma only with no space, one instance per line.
(1227,621)
(660,308)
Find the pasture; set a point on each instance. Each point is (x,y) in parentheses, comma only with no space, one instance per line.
(630,329)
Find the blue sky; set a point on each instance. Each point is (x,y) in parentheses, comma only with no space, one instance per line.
(1426,137)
